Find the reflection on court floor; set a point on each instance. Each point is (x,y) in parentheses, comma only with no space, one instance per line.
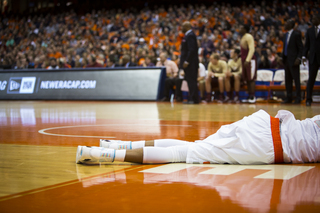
(258,188)
(38,142)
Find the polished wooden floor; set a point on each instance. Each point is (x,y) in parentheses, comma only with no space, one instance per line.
(38,141)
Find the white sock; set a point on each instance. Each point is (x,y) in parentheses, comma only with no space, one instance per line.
(165,154)
(170,142)
(138,144)
(120,155)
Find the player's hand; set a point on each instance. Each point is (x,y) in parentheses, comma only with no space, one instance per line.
(185,64)
(246,63)
(296,62)
(304,60)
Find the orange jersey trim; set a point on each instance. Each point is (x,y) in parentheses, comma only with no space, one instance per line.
(277,144)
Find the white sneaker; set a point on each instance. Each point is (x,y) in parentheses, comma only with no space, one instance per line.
(252,100)
(115,144)
(94,155)
(244,100)
(226,99)
(236,100)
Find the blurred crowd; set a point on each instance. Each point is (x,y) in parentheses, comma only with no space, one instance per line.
(109,38)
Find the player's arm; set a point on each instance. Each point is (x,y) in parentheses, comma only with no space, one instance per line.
(223,68)
(239,67)
(210,70)
(175,69)
(250,43)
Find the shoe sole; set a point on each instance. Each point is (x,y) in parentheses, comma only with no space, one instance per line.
(79,154)
(102,142)
(252,101)
(80,151)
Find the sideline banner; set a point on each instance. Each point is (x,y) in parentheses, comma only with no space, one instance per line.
(83,84)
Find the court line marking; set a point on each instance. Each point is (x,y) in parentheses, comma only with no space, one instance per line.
(43,131)
(58,185)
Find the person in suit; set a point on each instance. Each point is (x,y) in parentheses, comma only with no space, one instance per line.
(189,62)
(312,46)
(291,54)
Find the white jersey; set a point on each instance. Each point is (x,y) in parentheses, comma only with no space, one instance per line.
(250,141)
(300,139)
(202,70)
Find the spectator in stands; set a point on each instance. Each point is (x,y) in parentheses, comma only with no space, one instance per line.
(111,62)
(53,64)
(264,62)
(207,45)
(217,70)
(37,63)
(101,60)
(172,74)
(233,76)
(270,55)
(92,61)
(117,33)
(147,62)
(278,62)
(126,62)
(303,27)
(63,64)
(142,44)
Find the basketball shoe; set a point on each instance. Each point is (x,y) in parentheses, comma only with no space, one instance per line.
(94,155)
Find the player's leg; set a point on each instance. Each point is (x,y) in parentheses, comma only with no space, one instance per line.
(252,82)
(97,155)
(231,80)
(208,83)
(117,144)
(237,83)
(221,89)
(202,88)
(227,83)
(249,75)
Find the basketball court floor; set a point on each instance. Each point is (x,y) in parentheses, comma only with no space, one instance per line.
(38,173)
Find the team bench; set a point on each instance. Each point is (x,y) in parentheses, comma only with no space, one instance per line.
(269,81)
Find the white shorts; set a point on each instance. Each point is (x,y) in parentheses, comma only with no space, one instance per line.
(248,141)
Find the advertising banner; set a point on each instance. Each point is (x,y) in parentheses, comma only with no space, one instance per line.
(83,84)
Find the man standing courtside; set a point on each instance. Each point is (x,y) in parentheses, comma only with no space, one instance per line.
(291,54)
(312,46)
(189,62)
(171,72)
(249,63)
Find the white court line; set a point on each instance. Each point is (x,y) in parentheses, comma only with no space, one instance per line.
(43,131)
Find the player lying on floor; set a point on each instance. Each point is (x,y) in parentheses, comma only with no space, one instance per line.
(256,139)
